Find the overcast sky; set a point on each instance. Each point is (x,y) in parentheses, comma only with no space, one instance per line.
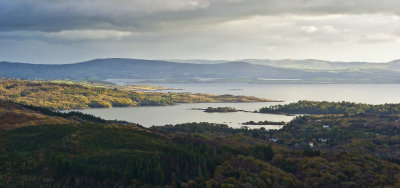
(67,31)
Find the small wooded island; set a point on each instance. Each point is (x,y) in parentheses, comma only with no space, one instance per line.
(220,109)
(264,123)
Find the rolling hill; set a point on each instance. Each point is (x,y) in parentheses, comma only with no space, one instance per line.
(255,71)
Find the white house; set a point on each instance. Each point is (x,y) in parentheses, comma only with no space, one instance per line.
(274,139)
(323,139)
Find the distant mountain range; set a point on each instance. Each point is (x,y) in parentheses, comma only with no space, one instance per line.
(309,64)
(255,71)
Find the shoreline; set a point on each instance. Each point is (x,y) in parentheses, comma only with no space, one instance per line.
(180,104)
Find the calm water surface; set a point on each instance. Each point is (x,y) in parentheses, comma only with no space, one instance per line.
(161,115)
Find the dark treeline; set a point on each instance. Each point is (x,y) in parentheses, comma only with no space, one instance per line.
(221,130)
(264,123)
(314,107)
(79,115)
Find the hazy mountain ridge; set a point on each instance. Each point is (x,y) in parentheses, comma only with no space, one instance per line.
(313,64)
(148,69)
(308,71)
(309,64)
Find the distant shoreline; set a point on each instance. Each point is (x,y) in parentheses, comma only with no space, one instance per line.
(67,95)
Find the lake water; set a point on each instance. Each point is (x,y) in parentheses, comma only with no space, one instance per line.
(162,115)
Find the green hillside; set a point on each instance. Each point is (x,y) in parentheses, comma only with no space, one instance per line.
(251,71)
(74,95)
(346,151)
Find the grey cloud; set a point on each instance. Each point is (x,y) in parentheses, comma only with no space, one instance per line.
(65,31)
(67,36)
(57,15)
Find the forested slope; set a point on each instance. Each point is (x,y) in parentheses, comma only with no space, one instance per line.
(346,151)
(324,107)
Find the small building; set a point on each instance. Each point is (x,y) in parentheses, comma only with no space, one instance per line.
(322,139)
(311,144)
(326,126)
(274,139)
